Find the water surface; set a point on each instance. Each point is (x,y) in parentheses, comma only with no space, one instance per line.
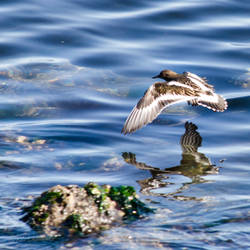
(70,73)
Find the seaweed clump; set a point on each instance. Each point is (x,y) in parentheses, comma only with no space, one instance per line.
(83,210)
(125,197)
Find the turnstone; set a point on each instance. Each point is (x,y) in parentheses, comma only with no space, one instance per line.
(176,88)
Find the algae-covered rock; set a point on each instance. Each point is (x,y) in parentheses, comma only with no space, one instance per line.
(73,209)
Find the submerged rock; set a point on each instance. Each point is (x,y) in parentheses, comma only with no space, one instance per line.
(244,79)
(72,209)
(46,74)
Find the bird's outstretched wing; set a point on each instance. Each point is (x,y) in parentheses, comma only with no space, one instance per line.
(207,98)
(156,98)
(199,82)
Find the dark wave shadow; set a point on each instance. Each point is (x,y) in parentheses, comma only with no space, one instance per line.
(193,165)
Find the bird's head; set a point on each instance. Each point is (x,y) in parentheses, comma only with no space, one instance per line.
(166,75)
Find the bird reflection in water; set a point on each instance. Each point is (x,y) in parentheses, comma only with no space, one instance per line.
(193,165)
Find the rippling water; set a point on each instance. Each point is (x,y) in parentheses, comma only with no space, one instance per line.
(70,73)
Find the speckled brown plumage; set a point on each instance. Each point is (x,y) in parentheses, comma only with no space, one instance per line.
(176,88)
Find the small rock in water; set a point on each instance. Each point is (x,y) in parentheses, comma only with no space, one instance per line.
(82,210)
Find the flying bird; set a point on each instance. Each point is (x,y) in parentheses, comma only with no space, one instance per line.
(176,88)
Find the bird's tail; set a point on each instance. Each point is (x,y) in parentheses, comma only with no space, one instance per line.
(215,102)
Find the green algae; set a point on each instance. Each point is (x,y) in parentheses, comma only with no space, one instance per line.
(42,218)
(100,194)
(124,196)
(45,199)
(91,208)
(74,221)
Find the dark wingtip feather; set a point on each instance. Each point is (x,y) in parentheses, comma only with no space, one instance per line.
(124,131)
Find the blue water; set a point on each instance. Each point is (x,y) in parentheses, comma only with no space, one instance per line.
(70,73)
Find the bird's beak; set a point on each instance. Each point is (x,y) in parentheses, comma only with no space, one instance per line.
(158,76)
